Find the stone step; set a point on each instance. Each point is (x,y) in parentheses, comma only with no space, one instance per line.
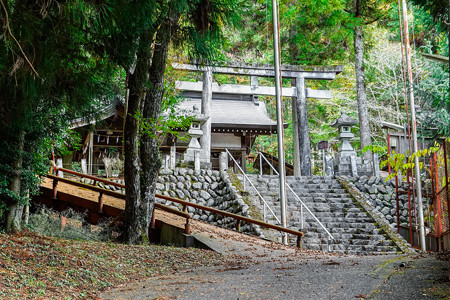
(354,231)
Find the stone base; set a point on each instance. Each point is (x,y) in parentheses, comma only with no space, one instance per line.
(343,167)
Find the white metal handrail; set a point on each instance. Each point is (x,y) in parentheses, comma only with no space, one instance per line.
(298,198)
(257,192)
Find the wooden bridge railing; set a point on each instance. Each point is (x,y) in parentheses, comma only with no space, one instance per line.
(185,204)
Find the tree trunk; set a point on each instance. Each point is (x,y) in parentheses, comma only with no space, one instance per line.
(15,208)
(136,227)
(150,155)
(361,92)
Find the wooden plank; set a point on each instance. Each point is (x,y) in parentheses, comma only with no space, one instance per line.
(93,215)
(78,204)
(90,187)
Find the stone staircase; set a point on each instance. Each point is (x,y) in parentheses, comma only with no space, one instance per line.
(354,231)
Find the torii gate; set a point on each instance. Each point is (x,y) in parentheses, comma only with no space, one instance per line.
(298,92)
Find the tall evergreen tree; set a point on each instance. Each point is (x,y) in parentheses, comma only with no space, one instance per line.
(47,75)
(195,27)
(364,12)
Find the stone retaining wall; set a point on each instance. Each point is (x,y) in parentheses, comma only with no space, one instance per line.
(204,187)
(381,196)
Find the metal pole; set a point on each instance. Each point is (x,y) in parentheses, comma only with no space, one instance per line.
(260,165)
(446,176)
(397,202)
(389,150)
(438,204)
(280,129)
(414,130)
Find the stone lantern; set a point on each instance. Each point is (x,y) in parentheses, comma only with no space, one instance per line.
(192,154)
(346,160)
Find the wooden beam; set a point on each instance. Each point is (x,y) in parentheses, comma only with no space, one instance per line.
(439,58)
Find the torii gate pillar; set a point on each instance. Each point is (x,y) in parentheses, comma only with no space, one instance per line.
(302,157)
(205,139)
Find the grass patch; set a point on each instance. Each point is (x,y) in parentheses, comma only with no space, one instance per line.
(48,222)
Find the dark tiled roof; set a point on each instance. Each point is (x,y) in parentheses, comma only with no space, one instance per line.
(233,111)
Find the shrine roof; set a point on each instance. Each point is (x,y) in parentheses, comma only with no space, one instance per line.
(233,111)
(229,113)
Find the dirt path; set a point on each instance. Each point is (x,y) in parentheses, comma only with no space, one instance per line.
(260,269)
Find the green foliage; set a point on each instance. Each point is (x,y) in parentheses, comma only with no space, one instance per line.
(438,9)
(172,124)
(381,150)
(401,163)
(434,92)
(48,75)
(311,33)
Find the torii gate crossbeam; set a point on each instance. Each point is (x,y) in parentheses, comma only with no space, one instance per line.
(299,94)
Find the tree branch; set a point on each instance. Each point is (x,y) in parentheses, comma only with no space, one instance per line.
(14,38)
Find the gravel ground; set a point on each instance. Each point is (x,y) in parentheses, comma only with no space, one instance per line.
(417,278)
(261,269)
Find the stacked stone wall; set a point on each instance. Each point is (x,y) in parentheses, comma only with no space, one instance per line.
(382,197)
(204,187)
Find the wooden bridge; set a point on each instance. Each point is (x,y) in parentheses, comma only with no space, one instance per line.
(97,211)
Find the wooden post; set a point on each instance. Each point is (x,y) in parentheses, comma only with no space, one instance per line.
(63,222)
(244,161)
(55,190)
(152,222)
(302,124)
(187,227)
(100,203)
(238,225)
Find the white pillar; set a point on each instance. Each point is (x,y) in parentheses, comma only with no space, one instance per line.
(173,155)
(59,164)
(197,160)
(223,161)
(376,165)
(84,168)
(205,139)
(90,152)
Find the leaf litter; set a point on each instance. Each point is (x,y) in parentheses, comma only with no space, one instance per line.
(36,266)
